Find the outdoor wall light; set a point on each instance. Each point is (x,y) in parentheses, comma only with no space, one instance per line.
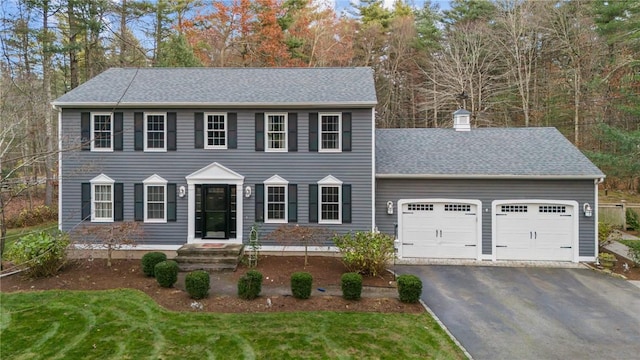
(247,192)
(182,191)
(390,207)
(588,211)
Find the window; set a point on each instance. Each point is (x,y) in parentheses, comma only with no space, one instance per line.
(216,131)
(155,132)
(155,199)
(420,207)
(102,132)
(330,132)
(513,208)
(102,199)
(457,207)
(276,125)
(330,202)
(276,199)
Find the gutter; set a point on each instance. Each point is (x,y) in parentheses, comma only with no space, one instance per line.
(490,177)
(362,104)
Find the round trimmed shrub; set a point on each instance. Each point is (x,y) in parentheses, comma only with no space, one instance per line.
(166,273)
(301,285)
(197,284)
(250,285)
(149,261)
(409,288)
(351,286)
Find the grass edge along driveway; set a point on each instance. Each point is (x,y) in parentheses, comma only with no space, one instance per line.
(127,324)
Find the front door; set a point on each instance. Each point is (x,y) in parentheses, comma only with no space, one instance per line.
(215,211)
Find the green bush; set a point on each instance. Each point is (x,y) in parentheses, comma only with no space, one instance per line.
(632,220)
(43,253)
(149,261)
(31,217)
(250,285)
(634,250)
(197,284)
(605,230)
(409,288)
(301,285)
(367,253)
(166,273)
(351,286)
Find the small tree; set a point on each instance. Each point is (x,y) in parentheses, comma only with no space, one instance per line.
(291,235)
(112,237)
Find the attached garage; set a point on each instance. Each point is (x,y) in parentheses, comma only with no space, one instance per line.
(439,228)
(535,230)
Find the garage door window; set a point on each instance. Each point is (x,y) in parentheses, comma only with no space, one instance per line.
(513,208)
(552,209)
(457,207)
(420,207)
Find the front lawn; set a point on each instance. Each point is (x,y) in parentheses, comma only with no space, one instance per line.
(126,324)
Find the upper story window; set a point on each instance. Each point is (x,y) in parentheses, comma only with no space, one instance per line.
(330,132)
(276,199)
(101,132)
(155,132)
(330,202)
(276,129)
(155,199)
(215,131)
(102,199)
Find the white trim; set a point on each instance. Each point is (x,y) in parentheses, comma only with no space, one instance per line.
(273,182)
(280,248)
(59,168)
(596,218)
(329,181)
(487,177)
(270,105)
(373,168)
(575,243)
(157,181)
(286,132)
(206,130)
(475,202)
(213,174)
(93,130)
(144,131)
(339,149)
(127,247)
(102,180)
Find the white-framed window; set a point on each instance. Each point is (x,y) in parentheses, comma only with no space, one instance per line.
(330,201)
(102,199)
(155,132)
(276,200)
(215,125)
(330,130)
(101,132)
(276,132)
(155,199)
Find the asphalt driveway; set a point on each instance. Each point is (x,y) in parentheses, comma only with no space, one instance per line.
(534,313)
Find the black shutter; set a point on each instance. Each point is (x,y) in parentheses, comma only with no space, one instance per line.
(118,128)
(118,200)
(86,201)
(346,131)
(293,203)
(138,198)
(232,130)
(259,203)
(292,131)
(85,131)
(259,131)
(313,203)
(198,126)
(313,131)
(171,131)
(138,125)
(198,220)
(346,204)
(171,202)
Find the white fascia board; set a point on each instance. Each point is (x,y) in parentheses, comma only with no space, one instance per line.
(487,177)
(83,104)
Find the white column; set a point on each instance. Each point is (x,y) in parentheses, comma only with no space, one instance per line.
(191,210)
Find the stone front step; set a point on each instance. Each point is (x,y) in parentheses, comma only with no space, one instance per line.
(210,257)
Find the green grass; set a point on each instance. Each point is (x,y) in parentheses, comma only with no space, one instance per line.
(126,324)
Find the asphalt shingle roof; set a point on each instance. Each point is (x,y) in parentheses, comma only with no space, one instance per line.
(226,86)
(482,152)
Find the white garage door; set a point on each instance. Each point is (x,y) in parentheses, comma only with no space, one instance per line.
(535,231)
(430,229)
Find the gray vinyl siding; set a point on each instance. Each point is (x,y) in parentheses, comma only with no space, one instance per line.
(487,191)
(301,168)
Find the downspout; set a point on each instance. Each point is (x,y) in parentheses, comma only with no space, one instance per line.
(596,183)
(59,110)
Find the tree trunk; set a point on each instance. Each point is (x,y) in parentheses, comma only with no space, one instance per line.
(48,110)
(73,50)
(123,32)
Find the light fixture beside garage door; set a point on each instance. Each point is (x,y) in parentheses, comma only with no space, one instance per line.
(588,211)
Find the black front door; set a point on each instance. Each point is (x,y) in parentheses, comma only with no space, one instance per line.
(215,211)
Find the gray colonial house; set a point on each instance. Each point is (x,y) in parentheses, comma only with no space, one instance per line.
(202,155)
